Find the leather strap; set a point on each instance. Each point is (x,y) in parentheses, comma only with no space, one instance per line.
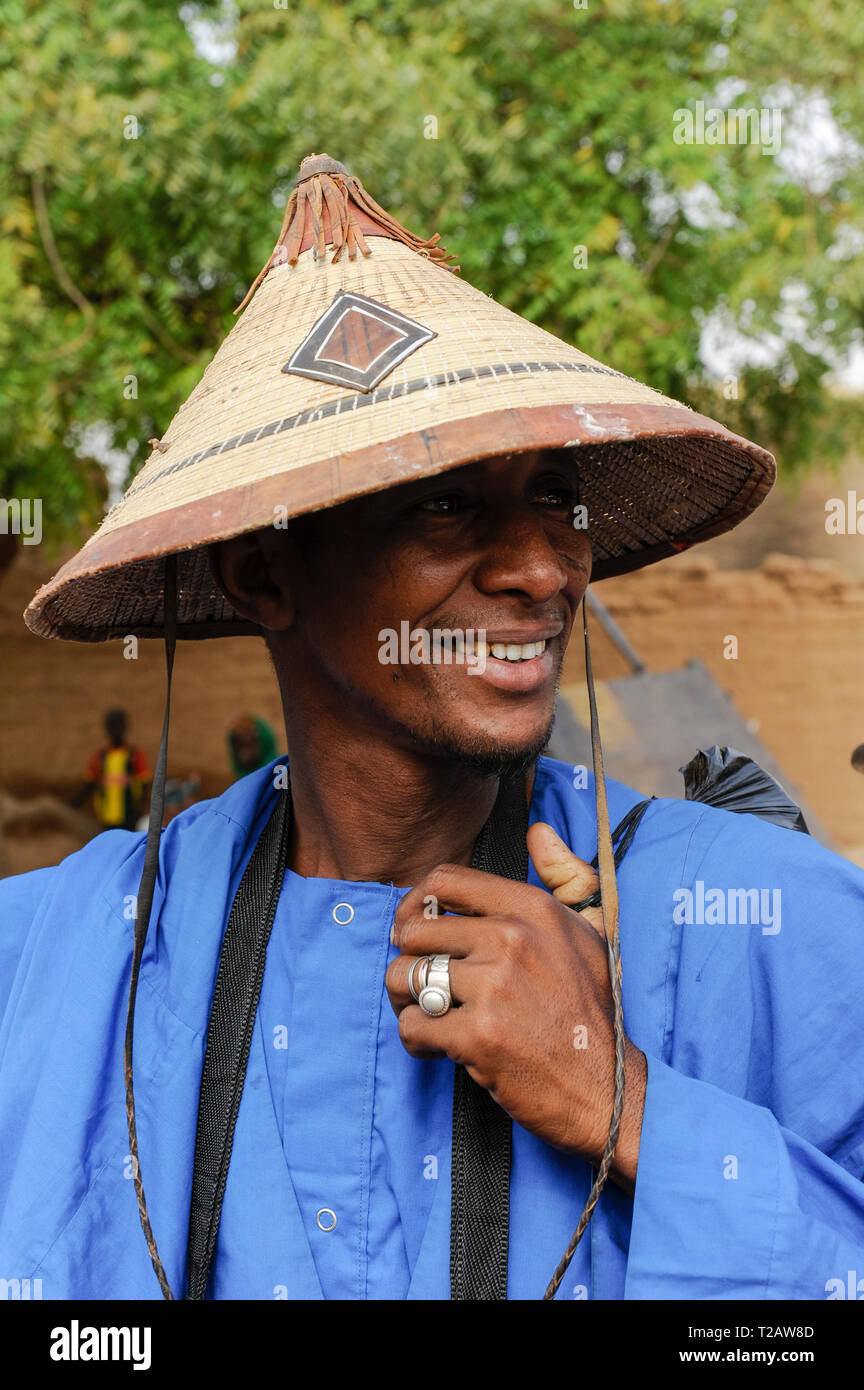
(609,906)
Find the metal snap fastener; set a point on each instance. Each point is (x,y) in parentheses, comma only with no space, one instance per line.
(325,1212)
(343,921)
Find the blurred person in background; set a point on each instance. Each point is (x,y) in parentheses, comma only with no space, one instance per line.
(251,744)
(117,777)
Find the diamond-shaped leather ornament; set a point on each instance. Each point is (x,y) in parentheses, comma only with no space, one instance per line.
(357,342)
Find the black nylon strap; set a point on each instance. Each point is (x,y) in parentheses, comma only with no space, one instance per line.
(482,1131)
(232,1018)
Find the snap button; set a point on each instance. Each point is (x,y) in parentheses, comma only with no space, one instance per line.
(343,921)
(324,1213)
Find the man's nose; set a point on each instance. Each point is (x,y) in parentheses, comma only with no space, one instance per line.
(519,556)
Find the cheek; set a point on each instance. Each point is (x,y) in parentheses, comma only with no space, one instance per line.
(580,564)
(342,581)
(356,582)
(370,586)
(585,555)
(344,605)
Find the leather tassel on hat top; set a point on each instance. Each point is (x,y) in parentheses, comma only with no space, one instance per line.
(323,181)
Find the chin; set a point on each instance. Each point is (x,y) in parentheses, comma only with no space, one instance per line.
(492,753)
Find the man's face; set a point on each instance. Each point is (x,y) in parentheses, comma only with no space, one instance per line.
(490,546)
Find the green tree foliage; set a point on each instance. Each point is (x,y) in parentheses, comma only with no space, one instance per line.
(144,177)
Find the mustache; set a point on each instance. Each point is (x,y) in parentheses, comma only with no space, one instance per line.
(499,620)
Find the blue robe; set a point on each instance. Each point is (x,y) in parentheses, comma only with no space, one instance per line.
(753,1141)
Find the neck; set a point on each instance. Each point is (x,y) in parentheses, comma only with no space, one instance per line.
(366,809)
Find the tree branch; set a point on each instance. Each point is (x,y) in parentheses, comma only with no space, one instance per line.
(661,247)
(64,279)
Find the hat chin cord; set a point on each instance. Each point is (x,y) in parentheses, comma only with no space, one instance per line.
(609,906)
(144,905)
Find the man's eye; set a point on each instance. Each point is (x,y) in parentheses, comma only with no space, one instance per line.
(559,495)
(445,505)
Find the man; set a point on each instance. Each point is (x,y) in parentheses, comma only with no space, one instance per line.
(116,777)
(405,960)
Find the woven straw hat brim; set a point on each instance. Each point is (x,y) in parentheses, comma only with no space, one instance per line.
(254,442)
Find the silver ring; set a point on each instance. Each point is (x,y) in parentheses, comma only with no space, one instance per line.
(424,961)
(435,996)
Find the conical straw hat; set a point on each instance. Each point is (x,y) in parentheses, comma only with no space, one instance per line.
(373,364)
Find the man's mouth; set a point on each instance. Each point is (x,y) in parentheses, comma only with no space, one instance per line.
(508,651)
(500,657)
(516,651)
(522,643)
(518,668)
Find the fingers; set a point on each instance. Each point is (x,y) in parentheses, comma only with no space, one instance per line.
(423,1036)
(447,935)
(452,888)
(568,877)
(441,914)
(456,889)
(399,969)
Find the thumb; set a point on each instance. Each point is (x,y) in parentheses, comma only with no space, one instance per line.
(567,876)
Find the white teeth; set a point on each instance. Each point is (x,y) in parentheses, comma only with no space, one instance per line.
(517,651)
(475,649)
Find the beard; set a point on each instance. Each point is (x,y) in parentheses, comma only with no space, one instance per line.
(486,760)
(475,750)
(484,755)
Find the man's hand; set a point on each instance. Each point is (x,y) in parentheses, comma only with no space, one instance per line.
(531,1018)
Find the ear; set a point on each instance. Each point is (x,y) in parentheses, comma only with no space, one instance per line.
(254,571)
